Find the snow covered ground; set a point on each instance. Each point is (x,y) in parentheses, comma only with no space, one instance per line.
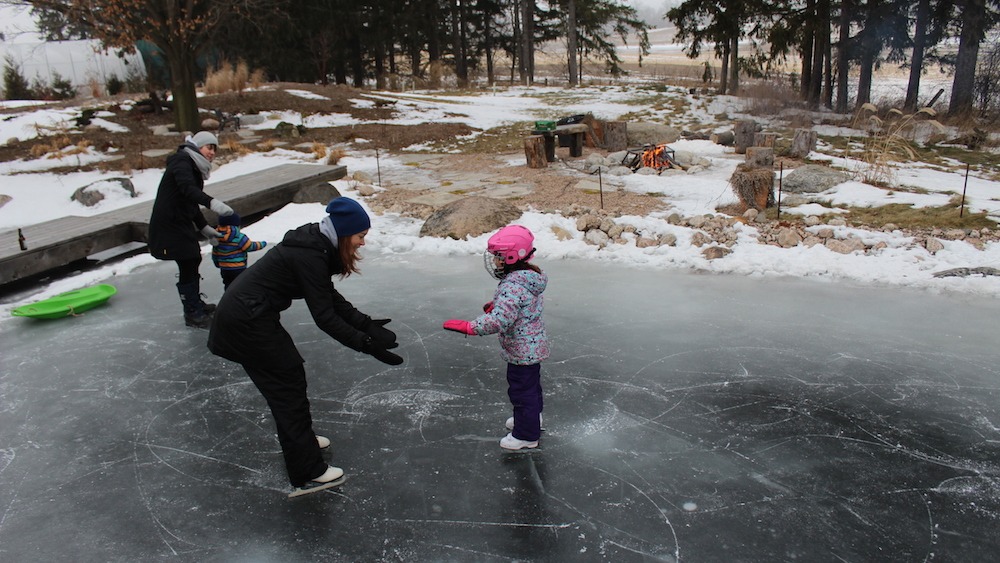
(39,195)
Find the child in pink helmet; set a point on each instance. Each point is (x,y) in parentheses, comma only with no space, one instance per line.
(515,314)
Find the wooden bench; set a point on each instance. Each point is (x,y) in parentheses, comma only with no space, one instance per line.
(59,242)
(571,136)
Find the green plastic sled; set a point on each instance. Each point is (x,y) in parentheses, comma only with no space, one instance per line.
(69,303)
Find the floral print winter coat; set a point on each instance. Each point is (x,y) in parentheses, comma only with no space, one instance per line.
(517,318)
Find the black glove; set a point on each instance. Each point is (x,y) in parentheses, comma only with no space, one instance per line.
(382,335)
(377,350)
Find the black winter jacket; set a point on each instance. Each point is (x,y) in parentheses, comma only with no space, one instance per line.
(176,222)
(246,326)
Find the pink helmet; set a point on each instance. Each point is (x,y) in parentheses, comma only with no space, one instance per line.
(513,243)
(509,245)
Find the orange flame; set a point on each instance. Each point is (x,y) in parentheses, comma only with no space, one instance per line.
(658,157)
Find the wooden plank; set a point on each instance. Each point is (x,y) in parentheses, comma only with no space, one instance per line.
(65,240)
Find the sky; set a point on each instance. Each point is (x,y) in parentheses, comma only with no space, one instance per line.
(42,195)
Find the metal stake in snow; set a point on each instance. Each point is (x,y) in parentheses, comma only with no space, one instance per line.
(961,208)
(378,167)
(600,186)
(781,172)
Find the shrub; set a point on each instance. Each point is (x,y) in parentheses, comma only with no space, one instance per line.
(115,85)
(15,85)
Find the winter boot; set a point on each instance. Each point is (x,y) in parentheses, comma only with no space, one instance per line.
(194,309)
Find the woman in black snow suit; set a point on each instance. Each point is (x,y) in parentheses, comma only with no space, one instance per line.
(177,224)
(246,329)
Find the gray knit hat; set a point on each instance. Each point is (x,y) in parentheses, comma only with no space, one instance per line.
(202,138)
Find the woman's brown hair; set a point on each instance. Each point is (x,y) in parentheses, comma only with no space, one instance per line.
(349,257)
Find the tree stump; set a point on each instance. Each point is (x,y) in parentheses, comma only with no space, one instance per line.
(616,136)
(760,156)
(764,139)
(534,151)
(744,132)
(753,185)
(725,138)
(803,143)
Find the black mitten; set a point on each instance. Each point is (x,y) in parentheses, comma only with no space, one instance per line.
(382,335)
(377,350)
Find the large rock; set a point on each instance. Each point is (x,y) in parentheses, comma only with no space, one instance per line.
(93,193)
(645,133)
(813,178)
(470,216)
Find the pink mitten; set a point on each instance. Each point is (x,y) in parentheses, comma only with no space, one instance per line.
(465,327)
(488,307)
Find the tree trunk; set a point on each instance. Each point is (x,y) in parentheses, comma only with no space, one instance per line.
(734,66)
(182,86)
(488,47)
(917,57)
(724,75)
(571,41)
(534,151)
(843,55)
(973,30)
(808,47)
(867,65)
(527,42)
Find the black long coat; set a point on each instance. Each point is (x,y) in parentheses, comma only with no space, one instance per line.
(176,222)
(246,326)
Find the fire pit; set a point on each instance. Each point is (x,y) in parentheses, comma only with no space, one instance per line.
(658,157)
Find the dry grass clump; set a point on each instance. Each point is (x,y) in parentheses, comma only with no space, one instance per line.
(232,78)
(335,156)
(236,147)
(54,147)
(319,149)
(888,140)
(266,145)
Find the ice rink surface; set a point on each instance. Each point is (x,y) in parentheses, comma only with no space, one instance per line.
(689,418)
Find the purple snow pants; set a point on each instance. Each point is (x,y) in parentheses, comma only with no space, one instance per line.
(525,392)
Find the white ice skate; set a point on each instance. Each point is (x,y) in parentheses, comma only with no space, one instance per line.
(334,476)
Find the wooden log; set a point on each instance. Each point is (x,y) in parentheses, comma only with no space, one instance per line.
(760,156)
(534,151)
(744,131)
(803,143)
(616,136)
(724,138)
(764,139)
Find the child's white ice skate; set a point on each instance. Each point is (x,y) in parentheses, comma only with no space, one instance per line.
(509,442)
(333,477)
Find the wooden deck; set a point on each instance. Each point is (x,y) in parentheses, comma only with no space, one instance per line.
(56,243)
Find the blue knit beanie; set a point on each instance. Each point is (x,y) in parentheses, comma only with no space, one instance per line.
(348,217)
(230,220)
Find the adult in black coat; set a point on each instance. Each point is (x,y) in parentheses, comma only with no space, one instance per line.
(246,328)
(177,223)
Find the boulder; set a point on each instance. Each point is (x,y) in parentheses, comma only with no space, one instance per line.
(318,192)
(95,192)
(470,216)
(646,133)
(812,178)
